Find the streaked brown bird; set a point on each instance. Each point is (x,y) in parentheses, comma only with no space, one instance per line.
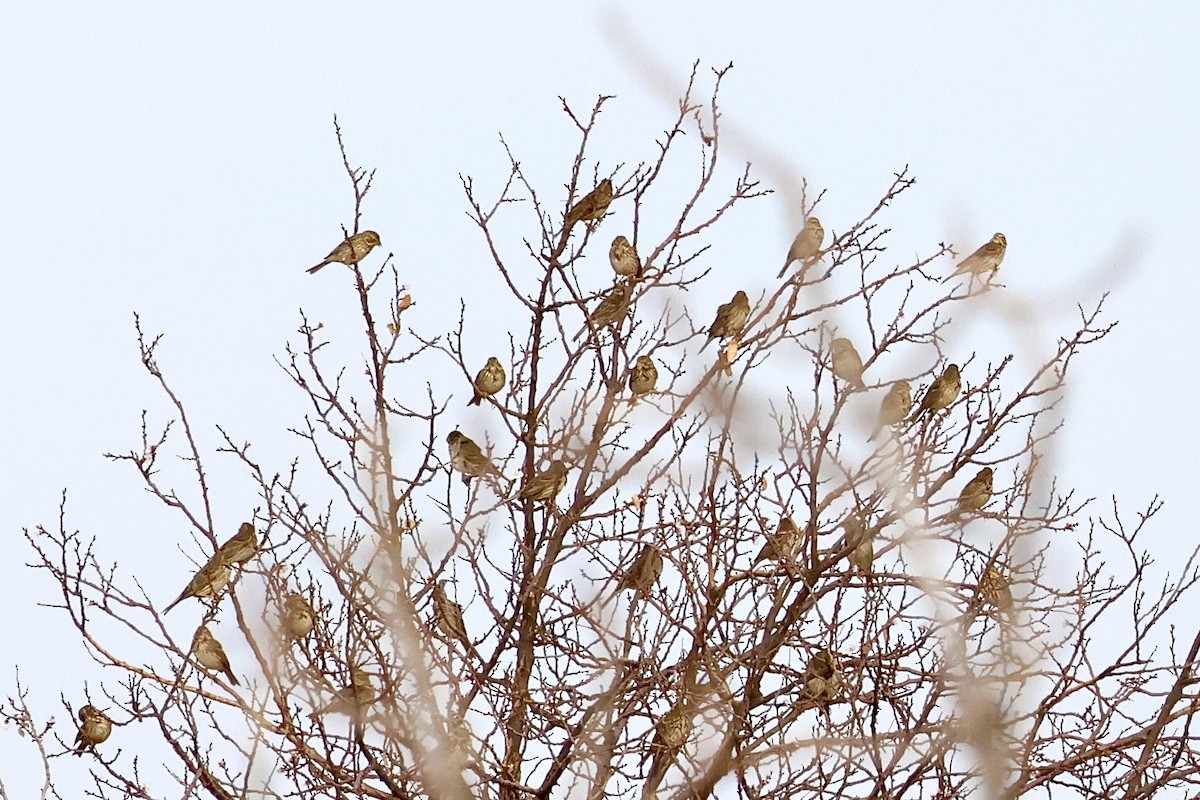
(847,364)
(448,615)
(624,258)
(674,728)
(611,309)
(782,545)
(210,654)
(240,547)
(353,699)
(984,261)
(545,486)
(941,393)
(94,728)
(806,245)
(976,494)
(858,536)
(468,458)
(822,677)
(894,408)
(730,319)
(644,570)
(643,376)
(488,380)
(995,589)
(353,250)
(592,206)
(208,582)
(298,616)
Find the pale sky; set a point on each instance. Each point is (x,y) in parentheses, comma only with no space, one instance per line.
(181,163)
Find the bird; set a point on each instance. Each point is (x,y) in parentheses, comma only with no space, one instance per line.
(354,698)
(941,393)
(995,589)
(488,380)
(782,545)
(298,616)
(806,245)
(545,486)
(644,570)
(624,258)
(592,206)
(208,582)
(353,250)
(847,364)
(210,654)
(858,537)
(611,309)
(894,408)
(467,458)
(822,677)
(643,376)
(984,261)
(730,319)
(94,728)
(976,494)
(240,547)
(448,615)
(672,730)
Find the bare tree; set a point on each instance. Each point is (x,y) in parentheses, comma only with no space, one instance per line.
(673,570)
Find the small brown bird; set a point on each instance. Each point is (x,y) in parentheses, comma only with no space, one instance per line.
(995,589)
(592,206)
(94,728)
(858,536)
(822,677)
(894,408)
(298,616)
(240,547)
(782,545)
(448,615)
(488,381)
(976,494)
(611,309)
(355,698)
(545,486)
(847,364)
(730,320)
(644,570)
(643,376)
(468,458)
(624,258)
(210,654)
(672,731)
(941,393)
(806,245)
(353,250)
(984,261)
(208,582)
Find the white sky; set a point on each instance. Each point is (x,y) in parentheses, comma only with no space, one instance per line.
(181,163)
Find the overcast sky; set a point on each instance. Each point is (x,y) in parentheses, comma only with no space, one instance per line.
(181,163)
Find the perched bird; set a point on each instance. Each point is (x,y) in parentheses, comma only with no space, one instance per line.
(210,654)
(94,728)
(298,616)
(822,677)
(672,731)
(847,364)
(592,206)
(240,547)
(984,261)
(467,458)
(643,376)
(995,589)
(730,320)
(353,699)
(894,408)
(644,570)
(806,245)
(941,393)
(611,309)
(782,545)
(351,251)
(208,582)
(545,486)
(858,536)
(488,381)
(624,258)
(976,494)
(448,615)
